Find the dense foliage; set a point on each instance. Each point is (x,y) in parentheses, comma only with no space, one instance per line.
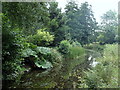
(81,22)
(11,50)
(109,28)
(64,47)
(104,74)
(40,36)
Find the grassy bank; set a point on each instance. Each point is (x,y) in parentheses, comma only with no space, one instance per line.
(104,74)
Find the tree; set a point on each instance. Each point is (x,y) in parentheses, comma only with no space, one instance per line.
(109,26)
(81,21)
(29,17)
(57,22)
(88,22)
(11,47)
(71,10)
(19,19)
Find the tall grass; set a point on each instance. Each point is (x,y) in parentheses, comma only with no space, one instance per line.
(75,52)
(73,55)
(104,74)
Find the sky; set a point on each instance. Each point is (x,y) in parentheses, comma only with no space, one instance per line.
(99,7)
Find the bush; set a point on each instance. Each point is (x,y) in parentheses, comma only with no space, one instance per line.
(64,47)
(50,55)
(72,51)
(42,38)
(34,59)
(42,57)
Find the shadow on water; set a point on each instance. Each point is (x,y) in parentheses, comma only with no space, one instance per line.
(61,78)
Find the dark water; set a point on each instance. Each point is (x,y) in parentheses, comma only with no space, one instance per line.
(66,77)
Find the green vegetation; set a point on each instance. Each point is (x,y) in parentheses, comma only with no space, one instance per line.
(95,46)
(55,49)
(104,74)
(64,47)
(75,52)
(42,38)
(76,17)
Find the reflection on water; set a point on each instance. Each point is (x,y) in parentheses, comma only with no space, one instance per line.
(94,63)
(90,57)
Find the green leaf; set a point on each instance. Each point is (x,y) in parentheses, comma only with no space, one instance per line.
(43,64)
(43,50)
(28,52)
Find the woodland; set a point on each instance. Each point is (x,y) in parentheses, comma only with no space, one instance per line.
(44,47)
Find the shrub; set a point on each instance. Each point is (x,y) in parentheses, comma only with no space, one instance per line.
(64,47)
(42,38)
(35,59)
(72,51)
(49,54)
(43,57)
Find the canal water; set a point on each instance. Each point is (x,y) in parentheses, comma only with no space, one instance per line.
(66,77)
